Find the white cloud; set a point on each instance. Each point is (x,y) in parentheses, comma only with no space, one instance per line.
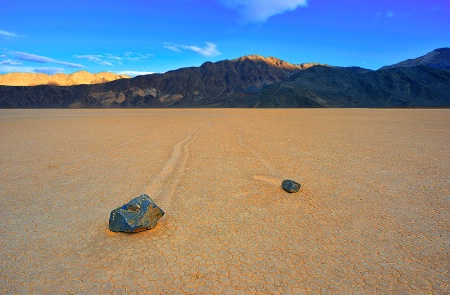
(134,73)
(48,70)
(7,34)
(137,57)
(255,11)
(113,57)
(173,48)
(209,50)
(109,59)
(69,64)
(90,57)
(10,62)
(23,69)
(95,58)
(32,57)
(15,69)
(390,14)
(43,59)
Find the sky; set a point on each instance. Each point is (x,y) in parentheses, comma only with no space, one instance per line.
(136,37)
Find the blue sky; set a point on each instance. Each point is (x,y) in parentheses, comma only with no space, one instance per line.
(143,36)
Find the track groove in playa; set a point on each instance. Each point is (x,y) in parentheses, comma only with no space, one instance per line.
(163,186)
(274,177)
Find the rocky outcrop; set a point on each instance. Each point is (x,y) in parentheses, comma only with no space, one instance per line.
(77,78)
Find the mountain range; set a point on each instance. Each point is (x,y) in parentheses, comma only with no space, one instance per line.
(256,81)
(77,78)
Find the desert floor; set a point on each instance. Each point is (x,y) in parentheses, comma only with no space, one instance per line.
(372,216)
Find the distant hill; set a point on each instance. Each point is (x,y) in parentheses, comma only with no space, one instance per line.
(251,81)
(437,59)
(77,78)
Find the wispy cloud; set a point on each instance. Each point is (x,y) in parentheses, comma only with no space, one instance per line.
(255,11)
(10,62)
(113,57)
(95,58)
(69,64)
(136,56)
(43,59)
(32,57)
(172,47)
(134,73)
(109,59)
(209,50)
(7,34)
(15,69)
(48,70)
(28,69)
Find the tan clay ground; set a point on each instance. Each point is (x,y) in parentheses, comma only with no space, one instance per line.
(372,216)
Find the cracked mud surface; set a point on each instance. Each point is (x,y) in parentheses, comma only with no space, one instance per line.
(371,216)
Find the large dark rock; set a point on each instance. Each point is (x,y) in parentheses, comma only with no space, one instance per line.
(290,186)
(139,214)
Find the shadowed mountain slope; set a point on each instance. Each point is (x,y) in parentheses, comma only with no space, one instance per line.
(356,87)
(438,59)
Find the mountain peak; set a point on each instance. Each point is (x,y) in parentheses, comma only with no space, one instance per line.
(254,57)
(259,58)
(275,62)
(438,59)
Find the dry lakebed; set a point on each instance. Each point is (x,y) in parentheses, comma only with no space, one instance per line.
(371,217)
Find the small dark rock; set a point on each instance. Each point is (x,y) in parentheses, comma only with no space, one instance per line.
(139,214)
(290,186)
